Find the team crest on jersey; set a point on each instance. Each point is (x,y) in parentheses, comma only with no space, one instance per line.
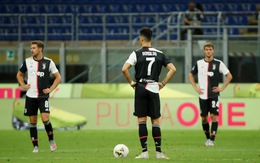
(213,66)
(44,66)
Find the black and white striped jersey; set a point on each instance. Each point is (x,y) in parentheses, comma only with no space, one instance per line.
(38,75)
(209,76)
(148,63)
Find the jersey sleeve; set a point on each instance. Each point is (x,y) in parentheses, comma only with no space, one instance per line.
(166,61)
(223,69)
(53,68)
(194,69)
(23,67)
(132,59)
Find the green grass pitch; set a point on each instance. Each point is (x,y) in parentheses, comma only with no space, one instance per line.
(97,145)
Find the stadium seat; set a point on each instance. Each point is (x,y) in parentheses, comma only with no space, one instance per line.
(110,19)
(235,7)
(230,20)
(149,20)
(136,20)
(129,8)
(233,31)
(12,9)
(211,19)
(67,19)
(52,9)
(54,20)
(90,9)
(142,8)
(65,9)
(242,20)
(249,7)
(221,7)
(181,7)
(122,19)
(28,20)
(207,31)
(116,8)
(169,8)
(155,8)
(209,7)
(102,8)
(83,20)
(39,9)
(28,9)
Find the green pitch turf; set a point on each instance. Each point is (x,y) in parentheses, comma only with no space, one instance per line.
(96,146)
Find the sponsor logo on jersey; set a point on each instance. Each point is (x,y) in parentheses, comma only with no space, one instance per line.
(210,74)
(213,66)
(43,66)
(38,73)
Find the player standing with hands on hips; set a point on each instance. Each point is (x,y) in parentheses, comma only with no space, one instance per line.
(209,72)
(148,62)
(38,89)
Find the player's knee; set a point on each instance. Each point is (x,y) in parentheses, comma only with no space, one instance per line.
(204,119)
(46,122)
(33,120)
(214,117)
(155,121)
(142,119)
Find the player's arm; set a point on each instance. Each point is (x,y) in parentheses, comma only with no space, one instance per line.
(194,85)
(125,70)
(171,71)
(186,21)
(20,79)
(227,81)
(55,83)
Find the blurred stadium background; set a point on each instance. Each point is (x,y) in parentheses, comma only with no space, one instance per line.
(90,40)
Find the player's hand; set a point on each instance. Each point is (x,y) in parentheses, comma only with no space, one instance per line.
(47,91)
(133,84)
(160,85)
(199,91)
(217,89)
(25,87)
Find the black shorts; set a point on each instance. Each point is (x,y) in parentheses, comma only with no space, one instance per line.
(33,104)
(209,106)
(146,103)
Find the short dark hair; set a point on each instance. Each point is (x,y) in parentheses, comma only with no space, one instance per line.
(38,43)
(147,33)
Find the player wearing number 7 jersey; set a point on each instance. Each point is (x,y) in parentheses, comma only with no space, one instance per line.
(38,88)
(209,72)
(148,63)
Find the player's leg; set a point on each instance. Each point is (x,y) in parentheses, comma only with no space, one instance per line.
(141,113)
(214,119)
(34,133)
(45,115)
(31,110)
(204,119)
(154,113)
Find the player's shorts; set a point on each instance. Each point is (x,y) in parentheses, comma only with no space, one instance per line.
(146,103)
(209,106)
(33,104)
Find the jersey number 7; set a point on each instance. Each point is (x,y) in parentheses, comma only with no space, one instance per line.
(149,68)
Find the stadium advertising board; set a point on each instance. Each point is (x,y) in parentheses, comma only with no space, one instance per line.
(117,113)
